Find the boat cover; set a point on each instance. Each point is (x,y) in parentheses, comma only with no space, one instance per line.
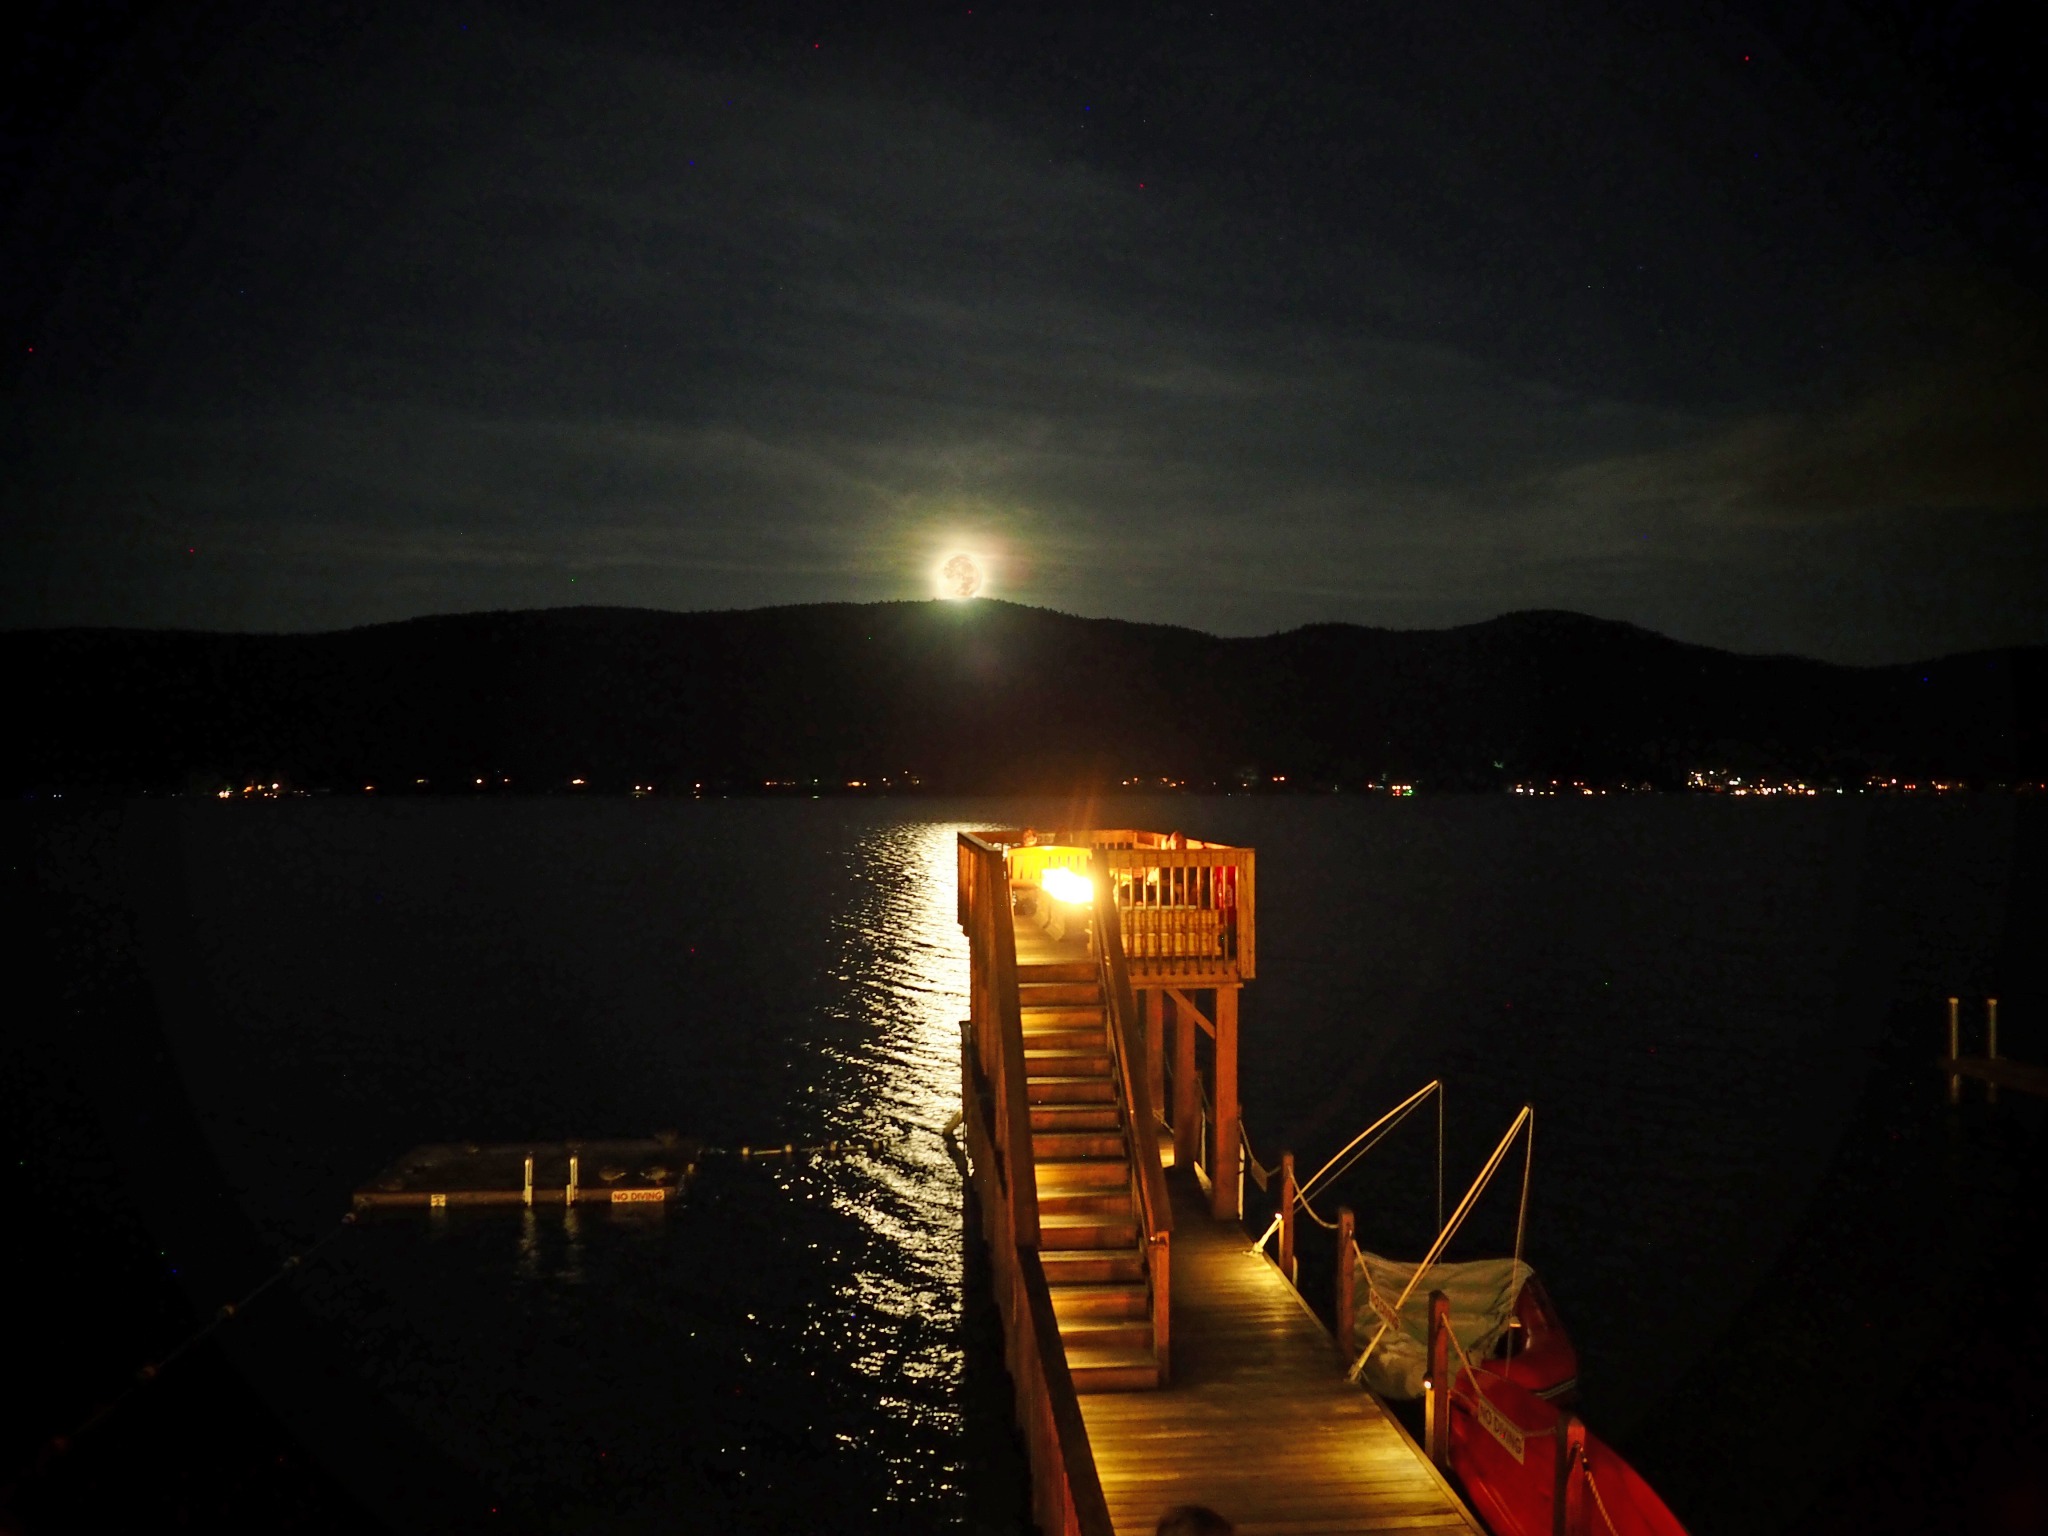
(1482,1294)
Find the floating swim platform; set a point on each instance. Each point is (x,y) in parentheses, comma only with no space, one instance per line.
(649,1170)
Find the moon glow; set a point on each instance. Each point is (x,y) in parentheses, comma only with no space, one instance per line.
(959,577)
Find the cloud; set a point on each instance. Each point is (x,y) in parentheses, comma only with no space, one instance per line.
(1946,417)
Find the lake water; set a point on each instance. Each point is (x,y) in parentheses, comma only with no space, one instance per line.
(1792,1271)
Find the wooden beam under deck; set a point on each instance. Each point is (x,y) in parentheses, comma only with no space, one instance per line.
(1259,1423)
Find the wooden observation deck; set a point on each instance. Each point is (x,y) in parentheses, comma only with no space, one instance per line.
(1158,1359)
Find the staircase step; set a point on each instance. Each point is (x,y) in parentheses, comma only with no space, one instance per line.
(1056,970)
(1086,1173)
(1091,1038)
(1099,1299)
(1076,1117)
(1102,1204)
(1058,994)
(1091,1266)
(1055,1018)
(1074,1146)
(1112,1370)
(1108,1333)
(1066,1063)
(1086,1229)
(1070,1090)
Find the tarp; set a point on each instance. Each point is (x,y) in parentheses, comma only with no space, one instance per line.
(1482,1294)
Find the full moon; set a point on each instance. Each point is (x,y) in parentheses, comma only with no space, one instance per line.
(959,577)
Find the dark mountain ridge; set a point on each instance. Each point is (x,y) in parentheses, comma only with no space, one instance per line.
(981,695)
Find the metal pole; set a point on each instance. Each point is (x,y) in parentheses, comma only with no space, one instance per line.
(569,1194)
(1990,1045)
(528,1195)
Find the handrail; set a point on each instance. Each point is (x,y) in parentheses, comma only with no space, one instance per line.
(992,898)
(1087,1507)
(1128,1050)
(1067,1496)
(1134,1078)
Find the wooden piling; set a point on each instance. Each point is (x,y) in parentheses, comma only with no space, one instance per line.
(1187,1088)
(1568,1513)
(1347,1284)
(1955,1049)
(1153,1004)
(1436,1408)
(1288,1196)
(1226,1189)
(1991,1047)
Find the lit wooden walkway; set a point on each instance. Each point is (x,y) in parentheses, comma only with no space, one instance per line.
(1112,1276)
(1259,1423)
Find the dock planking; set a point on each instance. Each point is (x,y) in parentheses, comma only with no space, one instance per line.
(1259,1422)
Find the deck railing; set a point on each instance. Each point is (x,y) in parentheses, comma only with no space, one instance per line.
(1185,909)
(1066,1489)
(1185,913)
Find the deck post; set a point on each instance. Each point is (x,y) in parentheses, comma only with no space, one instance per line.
(1226,1188)
(1955,1049)
(1152,1003)
(1991,1047)
(1347,1284)
(1436,1420)
(1287,1199)
(1187,1089)
(1568,1511)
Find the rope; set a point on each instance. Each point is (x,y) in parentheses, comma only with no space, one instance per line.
(1330,1172)
(748,1152)
(1522,1213)
(1598,1502)
(1261,1174)
(152,1370)
(1528,1116)
(1393,1117)
(1440,1160)
(1470,1369)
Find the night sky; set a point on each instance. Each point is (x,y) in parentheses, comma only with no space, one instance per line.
(1724,320)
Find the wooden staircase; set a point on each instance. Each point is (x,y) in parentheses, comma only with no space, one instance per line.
(1087,1221)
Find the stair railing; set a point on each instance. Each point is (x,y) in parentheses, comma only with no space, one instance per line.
(1141,1124)
(1066,1488)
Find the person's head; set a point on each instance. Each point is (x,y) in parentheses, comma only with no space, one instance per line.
(1193,1520)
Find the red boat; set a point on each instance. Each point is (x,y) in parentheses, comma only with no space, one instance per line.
(1536,1352)
(1514,1452)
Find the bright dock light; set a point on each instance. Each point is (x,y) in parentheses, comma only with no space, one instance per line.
(1065,885)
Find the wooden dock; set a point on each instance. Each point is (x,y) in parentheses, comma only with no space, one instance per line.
(1259,1423)
(647,1170)
(1157,1359)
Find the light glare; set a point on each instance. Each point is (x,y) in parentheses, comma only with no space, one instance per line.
(1065,885)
